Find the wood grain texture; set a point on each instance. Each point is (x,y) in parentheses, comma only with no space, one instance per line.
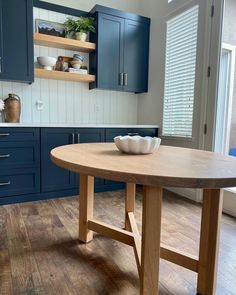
(104,266)
(209,241)
(137,240)
(66,76)
(178,257)
(169,166)
(151,237)
(129,202)
(86,201)
(111,231)
(63,43)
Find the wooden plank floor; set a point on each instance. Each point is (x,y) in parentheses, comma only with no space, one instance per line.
(40,253)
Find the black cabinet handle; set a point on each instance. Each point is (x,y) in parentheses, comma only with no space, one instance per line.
(4,134)
(121,79)
(5,156)
(78,139)
(125,79)
(133,133)
(73,138)
(5,183)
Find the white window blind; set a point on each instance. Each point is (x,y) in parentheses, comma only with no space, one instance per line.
(181,52)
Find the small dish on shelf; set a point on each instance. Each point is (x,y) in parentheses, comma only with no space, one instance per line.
(137,144)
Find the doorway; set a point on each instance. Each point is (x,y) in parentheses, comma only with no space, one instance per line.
(225,133)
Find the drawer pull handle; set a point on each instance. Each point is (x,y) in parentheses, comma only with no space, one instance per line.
(73,138)
(4,134)
(133,133)
(78,139)
(5,156)
(5,183)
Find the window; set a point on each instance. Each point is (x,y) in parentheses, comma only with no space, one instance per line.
(180,67)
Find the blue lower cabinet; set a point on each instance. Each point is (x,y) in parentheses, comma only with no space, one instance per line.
(27,172)
(91,135)
(113,132)
(19,182)
(54,178)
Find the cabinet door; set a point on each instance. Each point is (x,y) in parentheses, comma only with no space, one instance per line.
(53,177)
(1,40)
(136,56)
(110,52)
(90,135)
(16,40)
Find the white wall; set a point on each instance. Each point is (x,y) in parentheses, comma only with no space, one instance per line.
(150,104)
(72,102)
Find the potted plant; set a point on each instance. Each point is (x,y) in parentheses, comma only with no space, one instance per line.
(80,27)
(70,26)
(84,25)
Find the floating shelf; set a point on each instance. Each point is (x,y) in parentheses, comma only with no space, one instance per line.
(56,75)
(63,43)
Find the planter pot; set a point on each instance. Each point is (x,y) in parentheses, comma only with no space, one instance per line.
(81,36)
(70,35)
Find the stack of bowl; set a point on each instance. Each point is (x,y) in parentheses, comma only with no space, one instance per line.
(77,61)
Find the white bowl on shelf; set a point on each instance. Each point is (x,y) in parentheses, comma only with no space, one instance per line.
(47,62)
(137,144)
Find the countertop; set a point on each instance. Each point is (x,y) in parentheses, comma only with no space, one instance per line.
(76,125)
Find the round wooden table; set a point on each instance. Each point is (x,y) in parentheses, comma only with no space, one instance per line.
(167,167)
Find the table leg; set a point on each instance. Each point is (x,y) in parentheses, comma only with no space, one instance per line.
(209,241)
(151,235)
(86,200)
(129,201)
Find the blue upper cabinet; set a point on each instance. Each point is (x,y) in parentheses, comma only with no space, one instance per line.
(136,58)
(16,40)
(121,59)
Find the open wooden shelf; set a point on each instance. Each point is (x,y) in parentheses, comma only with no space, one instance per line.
(56,75)
(63,43)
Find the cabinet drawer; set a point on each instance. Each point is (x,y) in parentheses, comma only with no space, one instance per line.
(19,182)
(19,155)
(18,134)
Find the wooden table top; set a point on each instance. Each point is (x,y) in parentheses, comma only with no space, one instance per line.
(169,166)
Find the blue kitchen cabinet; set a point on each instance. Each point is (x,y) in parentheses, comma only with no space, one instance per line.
(27,172)
(136,57)
(54,178)
(90,135)
(112,132)
(121,59)
(16,40)
(19,162)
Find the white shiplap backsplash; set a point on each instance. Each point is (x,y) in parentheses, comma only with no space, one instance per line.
(69,102)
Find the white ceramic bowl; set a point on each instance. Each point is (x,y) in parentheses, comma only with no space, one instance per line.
(137,144)
(47,62)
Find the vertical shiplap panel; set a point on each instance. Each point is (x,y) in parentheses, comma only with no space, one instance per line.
(53,103)
(69,102)
(26,103)
(45,97)
(61,102)
(36,97)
